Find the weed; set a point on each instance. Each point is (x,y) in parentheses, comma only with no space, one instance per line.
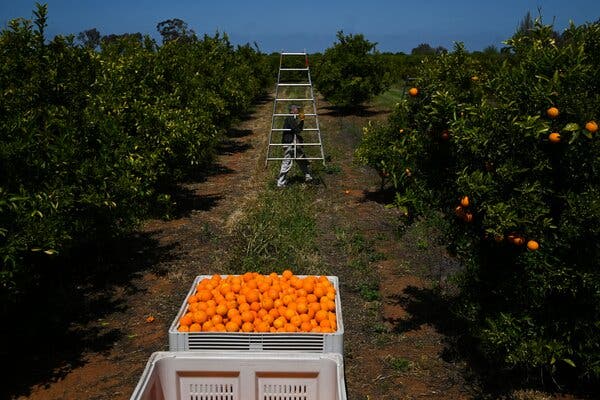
(398,364)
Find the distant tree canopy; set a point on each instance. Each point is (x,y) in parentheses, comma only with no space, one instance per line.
(90,38)
(424,49)
(351,72)
(173,29)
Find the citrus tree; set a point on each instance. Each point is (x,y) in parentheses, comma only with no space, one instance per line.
(351,72)
(91,141)
(509,154)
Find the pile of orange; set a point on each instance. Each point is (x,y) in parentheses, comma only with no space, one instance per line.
(254,302)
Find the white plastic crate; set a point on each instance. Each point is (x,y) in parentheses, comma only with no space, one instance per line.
(254,341)
(242,376)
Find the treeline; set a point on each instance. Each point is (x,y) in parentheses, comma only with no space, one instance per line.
(92,137)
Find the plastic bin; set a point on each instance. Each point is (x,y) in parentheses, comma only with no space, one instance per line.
(253,341)
(242,376)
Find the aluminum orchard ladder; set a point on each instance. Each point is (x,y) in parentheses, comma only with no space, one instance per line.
(294,86)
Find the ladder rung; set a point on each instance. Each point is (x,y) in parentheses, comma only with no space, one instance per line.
(297,144)
(285,130)
(293,54)
(293,84)
(294,99)
(293,69)
(289,115)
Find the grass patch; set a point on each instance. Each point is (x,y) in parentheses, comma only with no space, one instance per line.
(278,234)
(389,98)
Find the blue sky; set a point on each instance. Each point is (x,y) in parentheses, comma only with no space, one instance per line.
(312,25)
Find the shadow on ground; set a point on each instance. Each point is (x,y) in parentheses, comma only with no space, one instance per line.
(60,319)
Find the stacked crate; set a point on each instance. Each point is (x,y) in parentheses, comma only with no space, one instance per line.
(247,365)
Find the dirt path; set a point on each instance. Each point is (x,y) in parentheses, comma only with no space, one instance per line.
(393,349)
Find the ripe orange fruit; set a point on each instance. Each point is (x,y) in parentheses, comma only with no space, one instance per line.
(468,217)
(413,91)
(552,112)
(554,137)
(459,211)
(254,302)
(518,240)
(591,126)
(532,245)
(465,201)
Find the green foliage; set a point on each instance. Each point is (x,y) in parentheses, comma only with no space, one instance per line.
(351,72)
(90,141)
(480,129)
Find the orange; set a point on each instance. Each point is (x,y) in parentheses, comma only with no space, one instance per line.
(232,312)
(465,201)
(325,324)
(301,308)
(183,328)
(200,317)
(279,322)
(320,315)
(552,112)
(554,137)
(232,327)
(289,314)
(217,319)
(255,306)
(221,309)
(247,327)
(296,321)
(220,328)
(186,320)
(195,328)
(247,316)
(287,274)
(532,245)
(591,126)
(413,91)
(266,303)
(262,327)
(306,327)
(319,291)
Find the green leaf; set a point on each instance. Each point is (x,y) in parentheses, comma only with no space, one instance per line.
(574,137)
(571,127)
(569,361)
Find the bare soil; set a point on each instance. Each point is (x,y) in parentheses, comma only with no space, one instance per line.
(397,343)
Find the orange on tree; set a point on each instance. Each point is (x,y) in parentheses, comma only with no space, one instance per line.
(552,112)
(591,126)
(532,245)
(554,137)
(464,201)
(413,91)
